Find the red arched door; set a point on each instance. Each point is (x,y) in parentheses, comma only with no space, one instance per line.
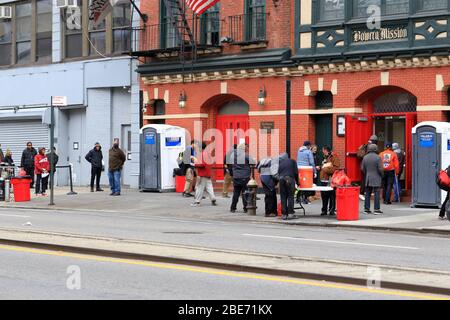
(233,128)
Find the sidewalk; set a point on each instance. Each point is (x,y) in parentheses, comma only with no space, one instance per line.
(397,217)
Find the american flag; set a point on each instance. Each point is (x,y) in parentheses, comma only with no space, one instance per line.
(200,6)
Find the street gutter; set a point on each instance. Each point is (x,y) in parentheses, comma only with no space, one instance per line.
(392,277)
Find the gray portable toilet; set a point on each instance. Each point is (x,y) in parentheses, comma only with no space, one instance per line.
(160,146)
(431,153)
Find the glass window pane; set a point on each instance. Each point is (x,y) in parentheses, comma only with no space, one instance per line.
(5,54)
(44,6)
(332,10)
(122,40)
(44,49)
(73,46)
(98,43)
(23,10)
(122,15)
(5,32)
(361,6)
(23,52)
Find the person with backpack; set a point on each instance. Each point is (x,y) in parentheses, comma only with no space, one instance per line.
(241,172)
(391,168)
(288,173)
(269,181)
(189,155)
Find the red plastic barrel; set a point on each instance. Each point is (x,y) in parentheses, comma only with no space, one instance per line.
(179,183)
(347,204)
(21,189)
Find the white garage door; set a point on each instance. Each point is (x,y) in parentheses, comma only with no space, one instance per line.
(14,135)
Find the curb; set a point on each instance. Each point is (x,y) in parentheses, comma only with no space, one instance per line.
(292,223)
(392,285)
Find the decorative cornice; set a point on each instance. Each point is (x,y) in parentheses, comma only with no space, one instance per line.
(302,70)
(178,116)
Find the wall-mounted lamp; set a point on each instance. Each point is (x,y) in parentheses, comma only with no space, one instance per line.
(262,96)
(182,99)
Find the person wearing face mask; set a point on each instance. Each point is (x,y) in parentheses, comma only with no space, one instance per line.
(116,160)
(95,158)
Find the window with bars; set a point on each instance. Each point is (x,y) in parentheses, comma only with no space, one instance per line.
(210,26)
(395,103)
(256,19)
(323,100)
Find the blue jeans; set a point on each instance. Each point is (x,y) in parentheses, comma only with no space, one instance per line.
(114,180)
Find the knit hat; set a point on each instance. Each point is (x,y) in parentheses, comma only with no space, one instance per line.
(395,146)
(372,148)
(307,144)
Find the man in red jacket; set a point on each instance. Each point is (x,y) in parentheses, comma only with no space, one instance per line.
(203,165)
(41,169)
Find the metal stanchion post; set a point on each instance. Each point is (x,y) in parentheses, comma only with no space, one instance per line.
(71,193)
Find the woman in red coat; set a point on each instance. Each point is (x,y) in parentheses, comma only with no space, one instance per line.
(41,169)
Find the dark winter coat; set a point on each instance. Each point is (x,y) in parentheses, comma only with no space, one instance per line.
(95,158)
(372,168)
(288,168)
(27,160)
(116,159)
(240,167)
(55,160)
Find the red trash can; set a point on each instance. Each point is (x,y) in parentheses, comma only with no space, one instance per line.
(179,183)
(21,189)
(347,203)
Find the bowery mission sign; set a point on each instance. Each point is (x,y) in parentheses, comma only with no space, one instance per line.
(382,34)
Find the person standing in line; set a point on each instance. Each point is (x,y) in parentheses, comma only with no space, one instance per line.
(443,211)
(305,158)
(241,172)
(401,155)
(391,168)
(27,161)
(288,173)
(372,167)
(116,161)
(362,151)
(269,183)
(203,165)
(95,158)
(228,178)
(42,170)
(331,163)
(189,167)
(55,160)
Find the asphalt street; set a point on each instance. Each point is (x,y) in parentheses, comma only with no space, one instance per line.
(40,274)
(396,249)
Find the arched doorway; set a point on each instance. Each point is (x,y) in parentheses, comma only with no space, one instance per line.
(390,113)
(233,121)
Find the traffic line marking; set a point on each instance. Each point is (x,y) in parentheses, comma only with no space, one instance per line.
(226,273)
(330,241)
(13,215)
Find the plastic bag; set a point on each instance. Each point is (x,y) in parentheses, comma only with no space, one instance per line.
(340,179)
(443,180)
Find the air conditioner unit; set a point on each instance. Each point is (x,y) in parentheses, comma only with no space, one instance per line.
(5,12)
(62,4)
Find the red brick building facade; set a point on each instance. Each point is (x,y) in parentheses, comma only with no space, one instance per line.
(381,87)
